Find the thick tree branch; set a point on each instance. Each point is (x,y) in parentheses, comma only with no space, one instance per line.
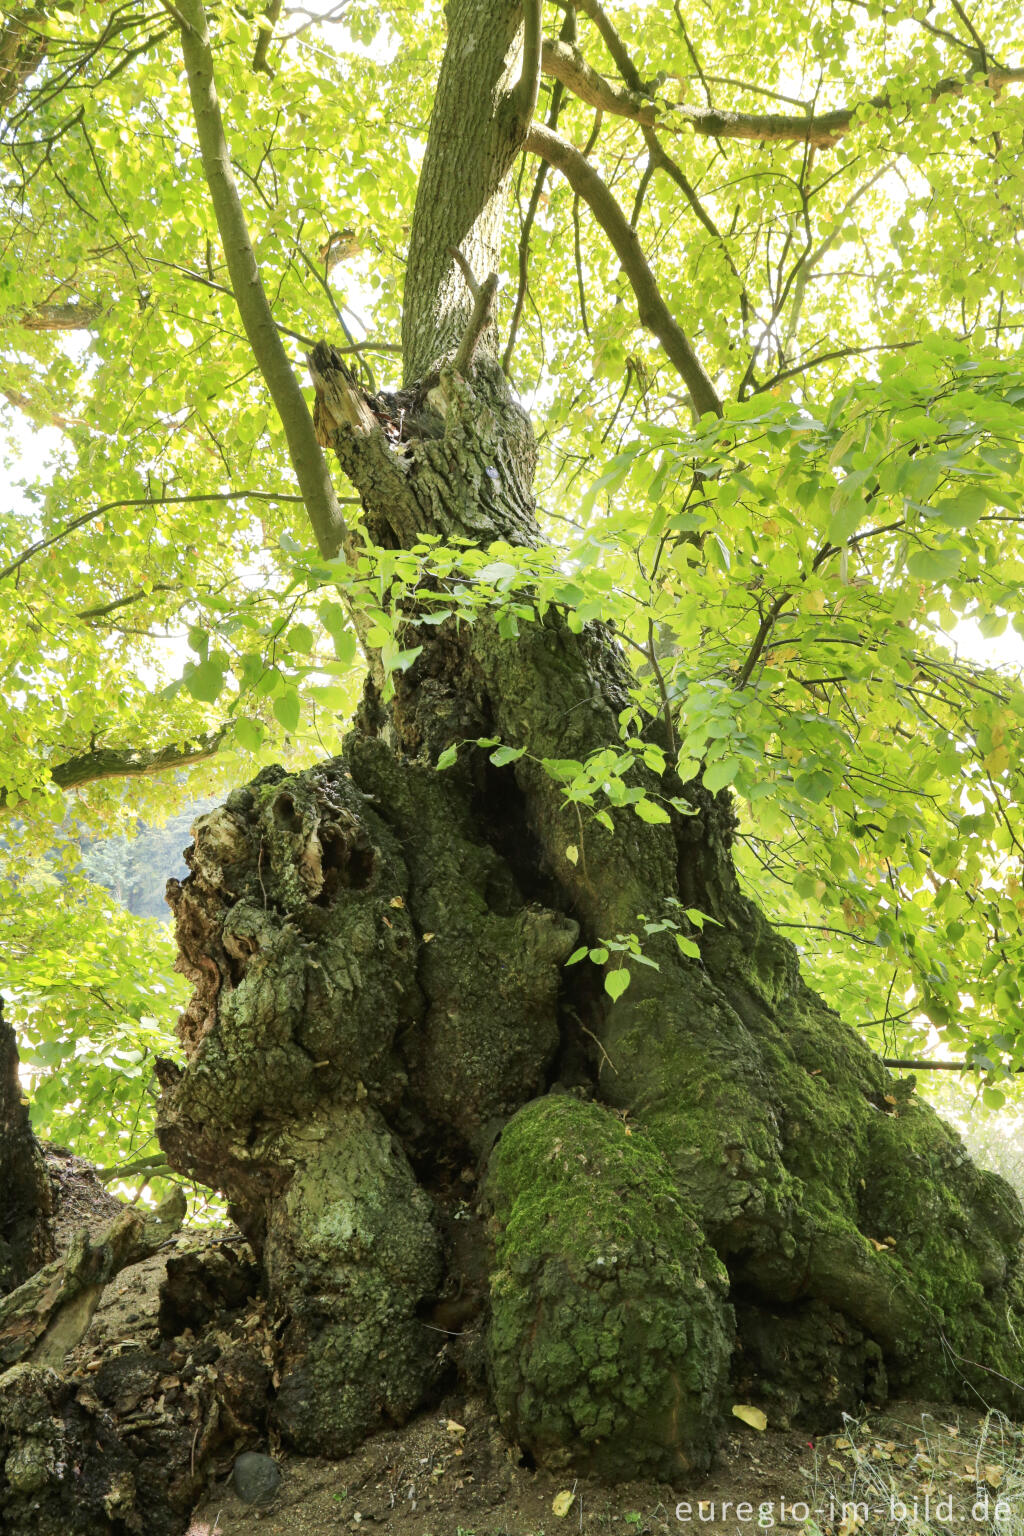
(654,313)
(37,413)
(127,763)
(322,506)
(87,615)
(60,317)
(764,629)
(154,1166)
(83,317)
(133,762)
(918,1065)
(466,270)
(462,195)
(613,42)
(22,48)
(479,320)
(564,62)
(529,79)
(265,31)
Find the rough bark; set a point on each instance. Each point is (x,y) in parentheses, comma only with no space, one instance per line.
(120,1442)
(25,1241)
(477,124)
(449,1151)
(45,1317)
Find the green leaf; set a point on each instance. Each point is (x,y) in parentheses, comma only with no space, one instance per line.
(562,769)
(205,682)
(935,565)
(399,661)
(963,509)
(719,774)
(248,733)
(287,709)
(300,639)
(332,617)
(650,811)
(502,755)
(449,757)
(616,982)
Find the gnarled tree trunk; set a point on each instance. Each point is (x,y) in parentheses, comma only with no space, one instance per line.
(453,1153)
(25,1239)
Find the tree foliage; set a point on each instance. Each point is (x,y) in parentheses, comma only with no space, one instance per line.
(821,205)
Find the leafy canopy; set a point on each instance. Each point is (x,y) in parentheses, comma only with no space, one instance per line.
(790,578)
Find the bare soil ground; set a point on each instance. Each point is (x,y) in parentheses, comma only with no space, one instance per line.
(930,1470)
(451,1472)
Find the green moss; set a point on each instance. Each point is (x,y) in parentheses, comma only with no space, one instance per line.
(610,1335)
(957,1232)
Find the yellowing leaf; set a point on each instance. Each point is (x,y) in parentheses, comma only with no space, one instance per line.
(562,1503)
(396,901)
(752,1416)
(572,853)
(454,1427)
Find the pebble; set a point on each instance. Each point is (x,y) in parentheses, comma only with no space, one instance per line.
(255,1477)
